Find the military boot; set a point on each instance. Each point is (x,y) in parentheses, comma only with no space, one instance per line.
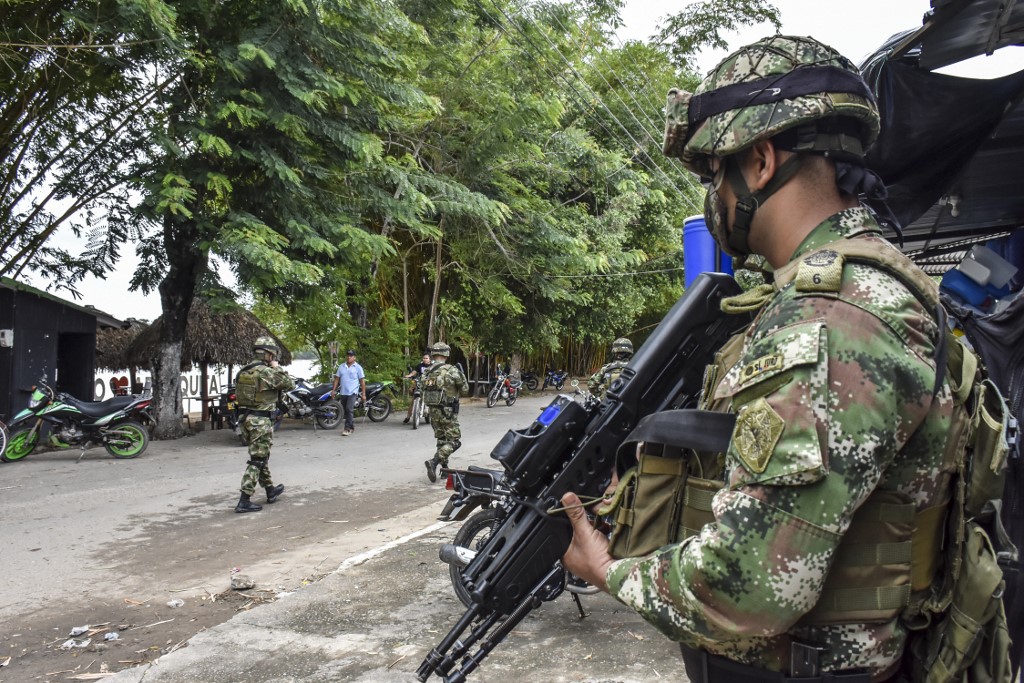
(246,505)
(432,468)
(273,492)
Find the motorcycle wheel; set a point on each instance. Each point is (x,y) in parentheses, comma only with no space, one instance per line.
(511,398)
(417,412)
(21,442)
(559,385)
(328,414)
(473,535)
(531,384)
(492,397)
(126,440)
(378,408)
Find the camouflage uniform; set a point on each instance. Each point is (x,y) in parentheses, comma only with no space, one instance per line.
(599,381)
(834,401)
(259,431)
(445,418)
(832,386)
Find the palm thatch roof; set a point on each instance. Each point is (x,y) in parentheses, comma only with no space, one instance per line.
(112,344)
(211,336)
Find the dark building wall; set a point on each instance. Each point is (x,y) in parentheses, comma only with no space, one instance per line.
(50,340)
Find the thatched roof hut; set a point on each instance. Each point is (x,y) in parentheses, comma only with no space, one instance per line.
(211,336)
(112,344)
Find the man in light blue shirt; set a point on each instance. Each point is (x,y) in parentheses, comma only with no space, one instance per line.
(352,380)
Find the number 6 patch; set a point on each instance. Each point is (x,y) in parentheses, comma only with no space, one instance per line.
(822,271)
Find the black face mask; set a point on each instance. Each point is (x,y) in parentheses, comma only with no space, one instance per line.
(736,242)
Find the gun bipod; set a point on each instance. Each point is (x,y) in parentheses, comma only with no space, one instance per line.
(441,661)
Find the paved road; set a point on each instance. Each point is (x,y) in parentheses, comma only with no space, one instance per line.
(108,543)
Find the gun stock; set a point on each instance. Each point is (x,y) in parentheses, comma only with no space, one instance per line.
(571,447)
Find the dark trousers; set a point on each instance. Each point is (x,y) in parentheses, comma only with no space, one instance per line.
(349,403)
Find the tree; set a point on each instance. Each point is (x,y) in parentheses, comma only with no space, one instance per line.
(265,132)
(74,102)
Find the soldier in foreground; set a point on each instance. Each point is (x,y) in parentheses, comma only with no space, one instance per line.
(622,351)
(442,386)
(846,424)
(258,387)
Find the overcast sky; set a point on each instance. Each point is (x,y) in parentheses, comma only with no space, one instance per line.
(856,29)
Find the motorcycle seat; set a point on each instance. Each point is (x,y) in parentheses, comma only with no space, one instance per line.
(321,389)
(373,387)
(101,408)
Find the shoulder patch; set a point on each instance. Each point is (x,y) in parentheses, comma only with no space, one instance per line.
(758,429)
(821,271)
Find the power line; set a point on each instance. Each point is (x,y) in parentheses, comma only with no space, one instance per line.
(537,52)
(635,272)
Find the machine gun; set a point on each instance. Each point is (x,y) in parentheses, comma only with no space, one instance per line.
(572,447)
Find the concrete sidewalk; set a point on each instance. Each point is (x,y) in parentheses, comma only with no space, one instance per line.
(377,616)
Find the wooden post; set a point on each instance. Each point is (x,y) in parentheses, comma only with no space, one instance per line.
(204,392)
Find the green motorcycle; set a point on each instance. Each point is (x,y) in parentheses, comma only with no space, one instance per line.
(115,423)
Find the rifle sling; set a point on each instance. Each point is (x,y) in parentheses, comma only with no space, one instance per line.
(699,430)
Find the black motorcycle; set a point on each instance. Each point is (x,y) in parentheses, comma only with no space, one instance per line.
(484,491)
(377,406)
(304,401)
(530,379)
(554,378)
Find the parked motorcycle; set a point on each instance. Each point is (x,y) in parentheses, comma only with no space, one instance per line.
(484,491)
(117,423)
(554,378)
(505,389)
(377,406)
(311,401)
(530,379)
(300,403)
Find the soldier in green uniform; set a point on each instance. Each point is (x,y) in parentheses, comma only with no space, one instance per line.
(442,386)
(844,426)
(257,388)
(622,351)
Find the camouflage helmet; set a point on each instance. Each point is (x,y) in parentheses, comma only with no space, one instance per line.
(266,344)
(767,88)
(440,349)
(622,345)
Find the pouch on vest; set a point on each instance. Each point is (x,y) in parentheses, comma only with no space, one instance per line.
(665,498)
(959,631)
(433,394)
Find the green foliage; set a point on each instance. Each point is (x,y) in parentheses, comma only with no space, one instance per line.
(380,174)
(703,25)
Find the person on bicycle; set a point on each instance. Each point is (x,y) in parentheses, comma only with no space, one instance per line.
(442,386)
(258,387)
(414,375)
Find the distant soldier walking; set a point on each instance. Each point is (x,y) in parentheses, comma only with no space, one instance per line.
(442,386)
(622,351)
(257,387)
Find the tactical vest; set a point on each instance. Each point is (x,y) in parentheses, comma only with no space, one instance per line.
(935,568)
(434,394)
(249,389)
(613,372)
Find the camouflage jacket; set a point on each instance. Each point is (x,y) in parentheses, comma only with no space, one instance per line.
(447,378)
(599,381)
(834,399)
(269,383)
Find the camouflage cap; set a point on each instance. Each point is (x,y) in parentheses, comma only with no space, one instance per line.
(781,82)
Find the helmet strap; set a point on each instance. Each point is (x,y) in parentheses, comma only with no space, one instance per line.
(747,202)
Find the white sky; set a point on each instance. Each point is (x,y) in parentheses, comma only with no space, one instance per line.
(854,27)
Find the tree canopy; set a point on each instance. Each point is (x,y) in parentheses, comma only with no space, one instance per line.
(385,174)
